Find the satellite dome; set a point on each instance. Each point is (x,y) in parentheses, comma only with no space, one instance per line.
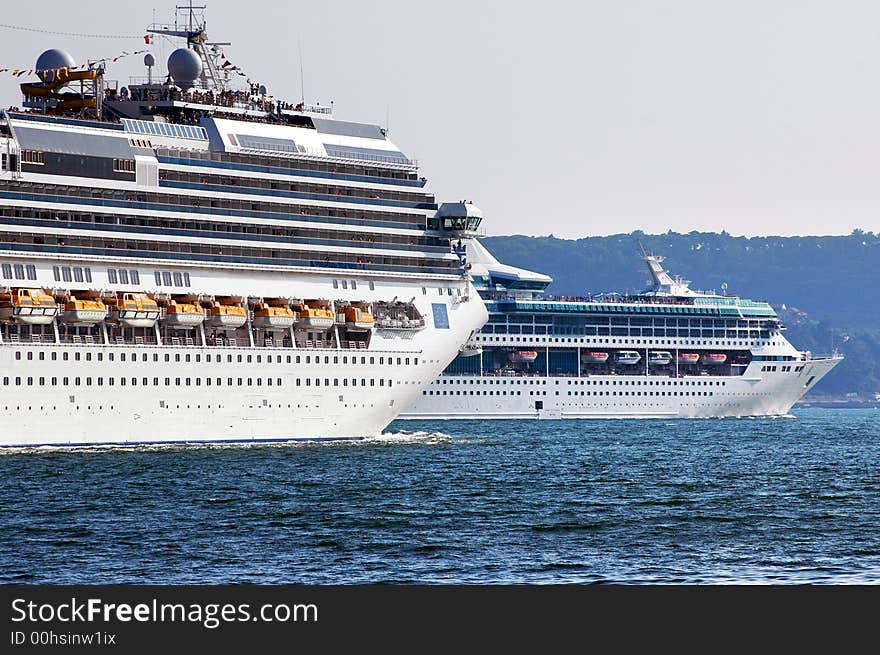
(184,66)
(50,60)
(149,60)
(262,90)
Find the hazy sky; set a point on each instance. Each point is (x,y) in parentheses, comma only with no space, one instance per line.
(570,118)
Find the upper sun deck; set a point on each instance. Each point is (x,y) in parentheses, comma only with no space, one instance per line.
(509,289)
(312,138)
(201,102)
(642,304)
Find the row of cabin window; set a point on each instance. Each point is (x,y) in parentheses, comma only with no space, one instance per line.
(198,382)
(783,369)
(259,161)
(676,383)
(123,276)
(19,271)
(163,278)
(440,291)
(123,165)
(354,285)
(32,157)
(99,381)
(194,250)
(175,202)
(312,234)
(171,278)
(307,382)
(401,361)
(582,393)
(224,182)
(72,273)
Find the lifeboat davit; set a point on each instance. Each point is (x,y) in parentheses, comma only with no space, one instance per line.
(278,318)
(594,357)
(183,314)
(688,358)
(628,357)
(659,357)
(358,319)
(133,310)
(523,356)
(85,311)
(713,359)
(226,316)
(30,306)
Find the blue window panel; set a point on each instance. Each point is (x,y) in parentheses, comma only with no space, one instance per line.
(441,317)
(164,129)
(344,128)
(366,154)
(266,143)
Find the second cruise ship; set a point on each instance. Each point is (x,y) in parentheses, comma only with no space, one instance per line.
(668,352)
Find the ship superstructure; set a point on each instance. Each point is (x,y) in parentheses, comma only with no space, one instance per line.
(181,261)
(668,352)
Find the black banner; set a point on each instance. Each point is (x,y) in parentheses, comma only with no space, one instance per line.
(252,619)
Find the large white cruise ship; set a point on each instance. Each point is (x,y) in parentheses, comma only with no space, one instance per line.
(185,262)
(668,352)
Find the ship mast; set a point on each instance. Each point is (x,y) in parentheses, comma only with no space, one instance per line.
(193,28)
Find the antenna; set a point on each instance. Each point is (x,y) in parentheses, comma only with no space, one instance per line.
(302,83)
(387,119)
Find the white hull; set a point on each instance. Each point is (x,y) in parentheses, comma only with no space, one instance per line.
(340,395)
(755,393)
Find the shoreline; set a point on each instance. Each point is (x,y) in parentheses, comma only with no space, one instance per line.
(839,403)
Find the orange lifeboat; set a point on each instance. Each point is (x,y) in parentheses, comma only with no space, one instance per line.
(273,314)
(183,312)
(83,311)
(358,319)
(133,310)
(523,356)
(316,314)
(594,357)
(713,359)
(226,313)
(30,306)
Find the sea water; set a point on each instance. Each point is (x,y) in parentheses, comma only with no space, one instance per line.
(794,500)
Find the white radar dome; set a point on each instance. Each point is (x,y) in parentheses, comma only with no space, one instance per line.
(184,66)
(50,60)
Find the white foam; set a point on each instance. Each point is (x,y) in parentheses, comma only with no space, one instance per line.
(386,438)
(407,437)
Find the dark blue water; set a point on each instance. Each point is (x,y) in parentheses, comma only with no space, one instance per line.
(711,501)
